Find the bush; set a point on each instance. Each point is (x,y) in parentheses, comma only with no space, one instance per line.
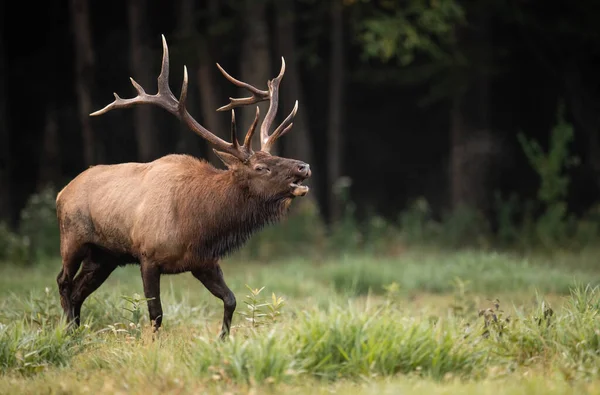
(13,247)
(39,224)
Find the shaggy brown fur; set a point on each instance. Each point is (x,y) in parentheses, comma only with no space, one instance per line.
(172,215)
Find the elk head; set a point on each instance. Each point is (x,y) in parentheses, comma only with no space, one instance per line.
(260,173)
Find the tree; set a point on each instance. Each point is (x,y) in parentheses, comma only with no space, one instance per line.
(144,124)
(434,46)
(210,94)
(84,74)
(255,58)
(471,143)
(188,142)
(298,144)
(336,108)
(49,165)
(5,182)
(565,41)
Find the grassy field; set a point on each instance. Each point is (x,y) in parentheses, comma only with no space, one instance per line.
(423,322)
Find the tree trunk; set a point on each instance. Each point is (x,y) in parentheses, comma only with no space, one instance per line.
(210,93)
(187,141)
(459,186)
(297,143)
(471,152)
(49,173)
(215,121)
(255,60)
(5,176)
(144,126)
(84,72)
(206,77)
(336,94)
(585,109)
(472,145)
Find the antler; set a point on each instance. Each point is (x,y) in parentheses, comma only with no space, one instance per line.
(165,99)
(266,140)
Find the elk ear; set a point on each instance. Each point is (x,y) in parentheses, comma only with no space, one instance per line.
(229,160)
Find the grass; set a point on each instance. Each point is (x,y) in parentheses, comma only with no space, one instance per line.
(422,322)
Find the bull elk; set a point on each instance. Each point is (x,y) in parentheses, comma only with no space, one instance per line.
(177,213)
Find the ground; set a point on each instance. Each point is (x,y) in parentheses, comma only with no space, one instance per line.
(413,323)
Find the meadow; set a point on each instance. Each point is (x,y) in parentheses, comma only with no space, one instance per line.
(419,321)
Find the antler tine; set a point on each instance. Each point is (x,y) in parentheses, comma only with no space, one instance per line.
(282,129)
(257,94)
(165,99)
(272,112)
(163,77)
(234,140)
(250,133)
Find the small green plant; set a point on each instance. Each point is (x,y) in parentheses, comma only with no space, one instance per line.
(507,211)
(274,307)
(463,303)
(493,320)
(135,308)
(44,310)
(254,305)
(550,165)
(260,310)
(344,234)
(392,293)
(416,222)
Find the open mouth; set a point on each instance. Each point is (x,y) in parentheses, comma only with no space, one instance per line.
(297,188)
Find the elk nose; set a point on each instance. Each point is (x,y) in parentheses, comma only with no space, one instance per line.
(304,169)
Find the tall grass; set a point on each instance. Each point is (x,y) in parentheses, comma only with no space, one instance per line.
(343,341)
(345,321)
(29,350)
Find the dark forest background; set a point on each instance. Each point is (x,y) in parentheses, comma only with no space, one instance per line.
(437,117)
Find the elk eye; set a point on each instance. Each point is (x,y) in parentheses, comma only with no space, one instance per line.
(261,168)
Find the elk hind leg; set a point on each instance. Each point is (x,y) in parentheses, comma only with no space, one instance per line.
(96,268)
(211,276)
(71,261)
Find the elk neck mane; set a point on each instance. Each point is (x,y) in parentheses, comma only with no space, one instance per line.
(224,214)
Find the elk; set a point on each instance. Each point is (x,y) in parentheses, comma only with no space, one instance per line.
(177,213)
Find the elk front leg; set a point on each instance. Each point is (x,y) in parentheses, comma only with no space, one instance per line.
(151,281)
(211,276)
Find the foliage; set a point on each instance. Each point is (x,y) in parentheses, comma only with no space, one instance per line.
(507,217)
(260,310)
(552,226)
(13,247)
(303,230)
(550,165)
(28,350)
(417,222)
(404,30)
(38,234)
(39,224)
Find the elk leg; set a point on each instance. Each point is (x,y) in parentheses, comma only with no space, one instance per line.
(71,264)
(151,281)
(94,271)
(212,278)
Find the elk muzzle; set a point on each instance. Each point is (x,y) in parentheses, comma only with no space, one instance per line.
(302,172)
